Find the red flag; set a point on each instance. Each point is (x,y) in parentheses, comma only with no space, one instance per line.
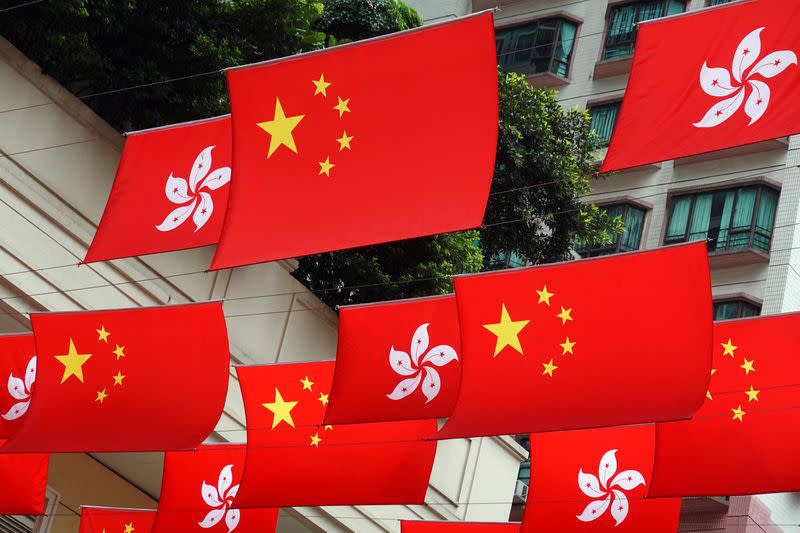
(379,140)
(170,192)
(24,481)
(568,346)
(293,459)
(595,481)
(198,493)
(733,83)
(744,439)
(414,526)
(396,361)
(143,379)
(18,362)
(115,520)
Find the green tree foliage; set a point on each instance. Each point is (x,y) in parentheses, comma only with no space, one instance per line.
(347,20)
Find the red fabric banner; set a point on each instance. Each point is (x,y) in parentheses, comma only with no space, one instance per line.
(143,379)
(733,83)
(744,440)
(418,526)
(293,459)
(199,493)
(18,362)
(24,481)
(335,130)
(396,361)
(115,520)
(170,192)
(596,481)
(543,344)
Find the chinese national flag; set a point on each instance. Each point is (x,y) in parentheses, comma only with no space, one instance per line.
(143,379)
(18,362)
(24,481)
(420,526)
(115,520)
(744,440)
(396,361)
(375,141)
(577,345)
(733,83)
(595,481)
(170,192)
(198,493)
(293,459)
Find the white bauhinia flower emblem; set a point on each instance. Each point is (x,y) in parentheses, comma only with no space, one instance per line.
(221,499)
(717,81)
(20,390)
(194,201)
(608,494)
(411,365)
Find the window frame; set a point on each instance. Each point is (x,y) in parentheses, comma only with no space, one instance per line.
(561,17)
(741,300)
(612,8)
(616,247)
(605,103)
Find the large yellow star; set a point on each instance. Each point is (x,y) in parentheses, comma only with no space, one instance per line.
(315,440)
(321,86)
(307,383)
(344,141)
(549,368)
(118,378)
(101,396)
(564,315)
(752,394)
(102,334)
(507,331)
(280,129)
(129,528)
(73,362)
(281,410)
(544,296)
(738,413)
(748,366)
(566,347)
(341,107)
(728,347)
(325,167)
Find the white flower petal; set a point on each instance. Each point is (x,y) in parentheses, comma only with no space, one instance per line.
(432,384)
(594,510)
(16,388)
(216,179)
(757,102)
(608,466)
(232,519)
(773,64)
(232,493)
(627,480)
(203,211)
(440,355)
(17,410)
(210,495)
(419,343)
(177,190)
(721,111)
(30,374)
(619,507)
(177,217)
(212,518)
(225,481)
(589,485)
(716,81)
(746,53)
(401,362)
(201,166)
(405,387)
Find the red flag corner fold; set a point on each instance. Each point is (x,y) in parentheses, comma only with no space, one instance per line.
(24,481)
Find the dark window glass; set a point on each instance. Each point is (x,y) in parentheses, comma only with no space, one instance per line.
(631,238)
(718,2)
(604,118)
(542,46)
(735,309)
(622,21)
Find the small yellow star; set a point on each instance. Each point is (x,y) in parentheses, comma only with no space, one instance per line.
(713,371)
(315,440)
(281,410)
(280,129)
(328,427)
(321,86)
(708,395)
(307,383)
(323,398)
(118,378)
(341,107)
(752,394)
(73,362)
(748,366)
(101,395)
(549,368)
(102,334)
(738,413)
(325,167)
(566,347)
(564,315)
(544,296)
(728,347)
(119,351)
(507,331)
(344,141)
(129,528)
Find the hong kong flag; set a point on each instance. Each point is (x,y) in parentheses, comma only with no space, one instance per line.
(396,361)
(18,362)
(170,192)
(142,379)
(294,459)
(427,526)
(378,140)
(199,493)
(744,440)
(568,346)
(23,478)
(595,481)
(733,82)
(116,520)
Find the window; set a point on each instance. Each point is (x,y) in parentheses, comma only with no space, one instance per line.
(622,22)
(524,467)
(729,309)
(507,260)
(604,118)
(630,239)
(542,46)
(718,2)
(730,219)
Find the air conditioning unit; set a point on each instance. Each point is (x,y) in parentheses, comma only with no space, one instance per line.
(16,524)
(521,492)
